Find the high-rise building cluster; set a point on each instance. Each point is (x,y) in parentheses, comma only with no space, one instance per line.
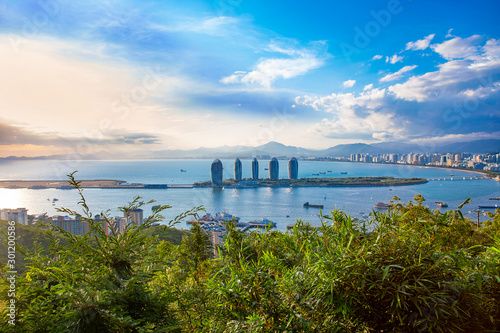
(216,170)
(18,215)
(76,225)
(453,160)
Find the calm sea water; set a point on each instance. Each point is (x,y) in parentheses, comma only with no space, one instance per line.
(282,205)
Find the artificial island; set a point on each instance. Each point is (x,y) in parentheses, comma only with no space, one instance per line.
(293,180)
(217,181)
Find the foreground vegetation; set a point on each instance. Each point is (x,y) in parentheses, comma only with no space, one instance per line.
(409,270)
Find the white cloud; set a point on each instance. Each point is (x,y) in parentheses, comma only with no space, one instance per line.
(449,35)
(377,57)
(349,83)
(471,76)
(420,44)
(301,61)
(455,98)
(215,26)
(398,74)
(394,59)
(362,117)
(452,138)
(458,48)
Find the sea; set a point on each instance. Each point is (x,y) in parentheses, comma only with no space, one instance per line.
(281,205)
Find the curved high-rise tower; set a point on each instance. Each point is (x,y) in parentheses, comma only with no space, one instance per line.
(255,169)
(293,168)
(273,169)
(237,169)
(216,172)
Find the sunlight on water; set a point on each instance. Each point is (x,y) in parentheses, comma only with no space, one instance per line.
(11,199)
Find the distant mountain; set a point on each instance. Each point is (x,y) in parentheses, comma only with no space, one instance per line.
(479,147)
(280,150)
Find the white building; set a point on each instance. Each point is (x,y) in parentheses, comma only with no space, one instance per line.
(18,215)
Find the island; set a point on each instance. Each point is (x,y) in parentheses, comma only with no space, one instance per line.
(245,183)
(318,182)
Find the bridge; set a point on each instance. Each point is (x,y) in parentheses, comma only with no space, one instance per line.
(459,178)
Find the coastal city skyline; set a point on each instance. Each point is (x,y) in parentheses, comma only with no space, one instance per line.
(125,76)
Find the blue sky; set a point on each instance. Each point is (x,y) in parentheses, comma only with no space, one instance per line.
(84,76)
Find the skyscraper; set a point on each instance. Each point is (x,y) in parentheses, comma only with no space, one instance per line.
(293,168)
(255,169)
(273,169)
(216,172)
(237,169)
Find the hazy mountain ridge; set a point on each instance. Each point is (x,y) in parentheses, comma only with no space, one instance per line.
(277,149)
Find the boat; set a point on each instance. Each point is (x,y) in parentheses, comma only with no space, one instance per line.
(263,223)
(182,170)
(266,168)
(322,173)
(343,173)
(37,187)
(381,205)
(308,205)
(488,207)
(315,174)
(328,170)
(498,198)
(441,204)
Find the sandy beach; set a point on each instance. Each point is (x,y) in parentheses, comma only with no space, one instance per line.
(63,184)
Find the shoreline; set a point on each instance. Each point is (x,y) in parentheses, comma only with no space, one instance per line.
(482,172)
(303,182)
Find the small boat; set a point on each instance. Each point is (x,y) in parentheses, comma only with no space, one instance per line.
(441,204)
(488,207)
(308,205)
(498,198)
(266,169)
(328,170)
(322,173)
(262,223)
(343,173)
(382,205)
(315,174)
(182,170)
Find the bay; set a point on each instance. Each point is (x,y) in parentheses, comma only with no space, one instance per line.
(282,205)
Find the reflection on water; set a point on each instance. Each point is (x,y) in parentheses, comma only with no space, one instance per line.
(282,205)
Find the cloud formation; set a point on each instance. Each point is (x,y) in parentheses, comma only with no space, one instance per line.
(458,48)
(420,44)
(447,103)
(17,135)
(398,74)
(349,83)
(394,59)
(267,70)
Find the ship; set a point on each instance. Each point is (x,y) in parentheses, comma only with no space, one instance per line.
(488,207)
(262,223)
(343,173)
(381,205)
(182,170)
(497,198)
(308,205)
(441,204)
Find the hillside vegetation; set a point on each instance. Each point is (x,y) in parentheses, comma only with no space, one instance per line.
(408,270)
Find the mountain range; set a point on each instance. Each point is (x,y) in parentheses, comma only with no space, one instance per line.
(279,150)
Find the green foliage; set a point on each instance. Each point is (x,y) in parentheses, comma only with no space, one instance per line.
(411,269)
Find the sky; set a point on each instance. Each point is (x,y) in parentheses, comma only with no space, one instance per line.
(79,77)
